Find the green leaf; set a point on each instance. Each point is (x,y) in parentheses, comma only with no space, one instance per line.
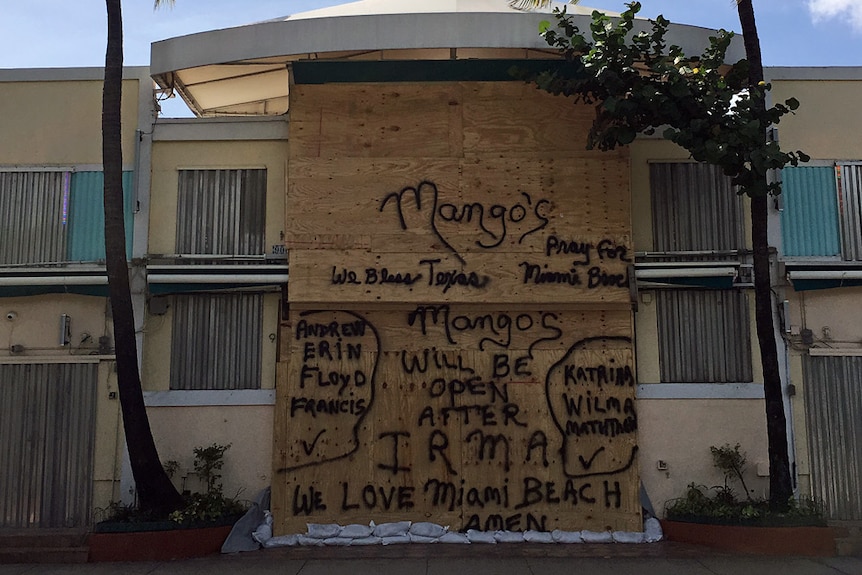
(544,26)
(626,136)
(792,103)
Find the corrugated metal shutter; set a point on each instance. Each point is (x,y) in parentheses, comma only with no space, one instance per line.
(47,426)
(33,217)
(87,216)
(694,209)
(833,405)
(703,336)
(216,341)
(221,212)
(851,210)
(809,221)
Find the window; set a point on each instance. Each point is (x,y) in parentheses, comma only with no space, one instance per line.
(221,212)
(822,215)
(703,336)
(850,209)
(694,209)
(55,216)
(216,342)
(33,216)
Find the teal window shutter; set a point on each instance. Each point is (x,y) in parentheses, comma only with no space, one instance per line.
(87,216)
(809,222)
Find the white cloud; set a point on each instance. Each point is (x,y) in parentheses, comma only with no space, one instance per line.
(847,10)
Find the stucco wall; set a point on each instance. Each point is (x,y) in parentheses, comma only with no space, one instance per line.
(680,433)
(156,368)
(248,430)
(36,327)
(833,316)
(168,157)
(59,123)
(827,124)
(36,324)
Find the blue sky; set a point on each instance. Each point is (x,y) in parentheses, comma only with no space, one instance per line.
(68,33)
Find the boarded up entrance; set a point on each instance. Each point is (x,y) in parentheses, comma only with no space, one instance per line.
(458,342)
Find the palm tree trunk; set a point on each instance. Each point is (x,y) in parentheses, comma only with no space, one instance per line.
(780,481)
(155,491)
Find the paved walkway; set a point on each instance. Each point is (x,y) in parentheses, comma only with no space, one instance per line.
(665,558)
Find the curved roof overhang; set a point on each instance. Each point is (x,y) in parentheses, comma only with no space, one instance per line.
(245,70)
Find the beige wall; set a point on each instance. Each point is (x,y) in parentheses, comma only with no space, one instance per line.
(168,157)
(643,152)
(827,124)
(248,429)
(680,433)
(837,310)
(59,123)
(156,369)
(646,336)
(833,315)
(36,325)
(110,445)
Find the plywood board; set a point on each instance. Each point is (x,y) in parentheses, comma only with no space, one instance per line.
(477,420)
(458,347)
(362,276)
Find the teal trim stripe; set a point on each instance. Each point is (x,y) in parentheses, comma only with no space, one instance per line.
(717,282)
(23,291)
(811,285)
(809,222)
(317,72)
(164,289)
(87,216)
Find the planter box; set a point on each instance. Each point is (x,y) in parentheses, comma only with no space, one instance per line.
(157,545)
(802,541)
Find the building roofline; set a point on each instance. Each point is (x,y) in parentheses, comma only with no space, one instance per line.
(316,36)
(773,73)
(68,74)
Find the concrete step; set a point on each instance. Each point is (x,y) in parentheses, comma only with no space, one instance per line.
(43,546)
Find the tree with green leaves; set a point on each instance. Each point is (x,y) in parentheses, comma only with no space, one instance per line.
(716,111)
(156,494)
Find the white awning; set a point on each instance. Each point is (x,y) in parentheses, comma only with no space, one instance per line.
(245,70)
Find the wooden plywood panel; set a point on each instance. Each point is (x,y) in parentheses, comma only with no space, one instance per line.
(459,342)
(491,203)
(362,276)
(374,120)
(551,229)
(513,424)
(515,119)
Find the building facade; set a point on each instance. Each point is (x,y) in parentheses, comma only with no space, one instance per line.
(482,325)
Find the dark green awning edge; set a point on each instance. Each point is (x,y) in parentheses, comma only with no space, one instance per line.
(317,72)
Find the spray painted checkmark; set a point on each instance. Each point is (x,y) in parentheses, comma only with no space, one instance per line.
(309,448)
(589,463)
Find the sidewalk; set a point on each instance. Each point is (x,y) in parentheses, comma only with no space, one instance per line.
(665,558)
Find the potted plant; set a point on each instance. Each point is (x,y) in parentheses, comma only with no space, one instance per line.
(197,529)
(718,517)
